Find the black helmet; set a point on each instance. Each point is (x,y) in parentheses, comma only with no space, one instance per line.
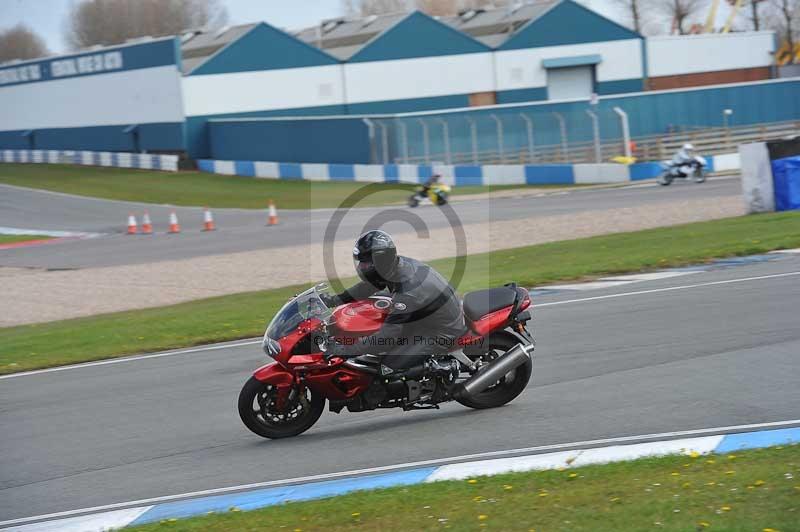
(375,258)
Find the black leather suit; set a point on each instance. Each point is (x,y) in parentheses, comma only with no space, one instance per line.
(425,316)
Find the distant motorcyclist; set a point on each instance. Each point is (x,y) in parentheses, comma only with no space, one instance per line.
(425,312)
(684,164)
(432,181)
(683,155)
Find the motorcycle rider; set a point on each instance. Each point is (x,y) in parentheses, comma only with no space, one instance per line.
(683,156)
(432,181)
(425,315)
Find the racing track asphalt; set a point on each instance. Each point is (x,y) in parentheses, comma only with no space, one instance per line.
(243,230)
(647,362)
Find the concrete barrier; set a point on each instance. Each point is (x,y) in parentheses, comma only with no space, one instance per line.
(457,175)
(143,161)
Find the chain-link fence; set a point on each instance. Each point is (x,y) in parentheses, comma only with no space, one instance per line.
(511,135)
(576,132)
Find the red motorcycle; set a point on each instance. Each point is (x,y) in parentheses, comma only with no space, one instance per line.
(487,367)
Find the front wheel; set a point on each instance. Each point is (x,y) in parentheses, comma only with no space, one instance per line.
(699,176)
(664,179)
(507,388)
(259,414)
(441,199)
(413,201)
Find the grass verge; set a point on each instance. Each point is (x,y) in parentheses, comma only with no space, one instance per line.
(245,315)
(199,188)
(754,490)
(13,239)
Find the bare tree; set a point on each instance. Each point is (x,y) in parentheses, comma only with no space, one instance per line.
(634,10)
(20,42)
(755,15)
(784,18)
(680,12)
(108,22)
(365,8)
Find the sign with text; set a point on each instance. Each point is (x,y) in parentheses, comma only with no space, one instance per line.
(155,53)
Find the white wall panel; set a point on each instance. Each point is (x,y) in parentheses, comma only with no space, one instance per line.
(140,96)
(266,90)
(423,77)
(687,54)
(522,69)
(267,170)
(503,174)
(600,173)
(315,172)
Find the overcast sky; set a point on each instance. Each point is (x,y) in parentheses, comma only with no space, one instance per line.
(46,16)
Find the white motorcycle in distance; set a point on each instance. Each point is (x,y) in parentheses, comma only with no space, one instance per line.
(684,165)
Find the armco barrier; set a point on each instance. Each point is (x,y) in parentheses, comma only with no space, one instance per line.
(458,175)
(142,161)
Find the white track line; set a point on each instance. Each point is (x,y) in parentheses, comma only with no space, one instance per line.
(667,289)
(256,341)
(130,359)
(409,465)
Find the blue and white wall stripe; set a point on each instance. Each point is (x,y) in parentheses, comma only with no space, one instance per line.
(266,494)
(457,175)
(143,161)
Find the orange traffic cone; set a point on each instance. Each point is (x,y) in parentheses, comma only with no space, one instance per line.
(273,214)
(208,220)
(147,225)
(132,227)
(174,226)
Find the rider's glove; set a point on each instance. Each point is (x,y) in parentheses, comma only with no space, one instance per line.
(329,300)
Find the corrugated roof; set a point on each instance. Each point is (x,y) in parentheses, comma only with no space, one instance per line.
(497,24)
(197,46)
(344,37)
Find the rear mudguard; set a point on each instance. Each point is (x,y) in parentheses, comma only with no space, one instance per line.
(276,375)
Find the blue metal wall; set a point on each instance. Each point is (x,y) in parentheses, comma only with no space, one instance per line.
(332,140)
(167,136)
(649,113)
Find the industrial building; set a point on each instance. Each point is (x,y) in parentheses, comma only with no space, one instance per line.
(544,52)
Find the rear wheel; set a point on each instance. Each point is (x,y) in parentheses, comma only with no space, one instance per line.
(259,413)
(507,388)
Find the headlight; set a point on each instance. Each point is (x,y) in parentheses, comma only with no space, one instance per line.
(271,347)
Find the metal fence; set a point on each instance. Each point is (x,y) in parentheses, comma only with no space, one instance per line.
(512,136)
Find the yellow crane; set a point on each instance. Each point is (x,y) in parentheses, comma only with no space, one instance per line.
(712,16)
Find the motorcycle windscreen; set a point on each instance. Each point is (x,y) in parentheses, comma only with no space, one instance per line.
(303,307)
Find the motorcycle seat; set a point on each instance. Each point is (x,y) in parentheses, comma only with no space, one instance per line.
(482,302)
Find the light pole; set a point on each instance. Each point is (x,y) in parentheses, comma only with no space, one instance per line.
(726,114)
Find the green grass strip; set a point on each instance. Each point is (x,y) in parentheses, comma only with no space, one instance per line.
(200,188)
(756,490)
(245,315)
(13,239)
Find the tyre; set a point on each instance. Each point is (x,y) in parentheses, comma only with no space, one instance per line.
(256,409)
(699,176)
(507,388)
(664,180)
(413,201)
(441,199)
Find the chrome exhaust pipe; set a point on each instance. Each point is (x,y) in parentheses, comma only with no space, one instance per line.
(494,371)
